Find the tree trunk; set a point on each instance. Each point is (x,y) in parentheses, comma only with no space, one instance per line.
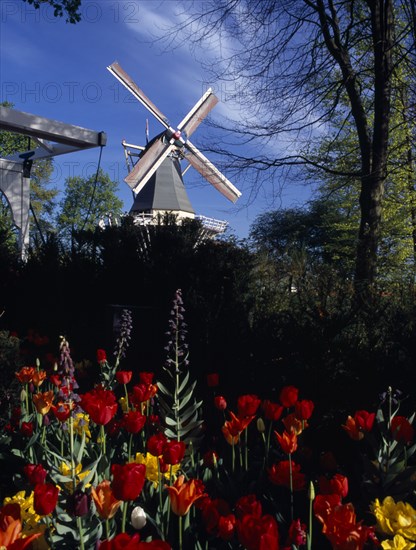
(375,168)
(371,196)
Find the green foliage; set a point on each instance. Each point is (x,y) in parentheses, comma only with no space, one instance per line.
(180,412)
(86,202)
(69,8)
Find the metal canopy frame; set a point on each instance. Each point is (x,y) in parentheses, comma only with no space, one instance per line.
(53,138)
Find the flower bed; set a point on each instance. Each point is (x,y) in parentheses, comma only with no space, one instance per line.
(139,463)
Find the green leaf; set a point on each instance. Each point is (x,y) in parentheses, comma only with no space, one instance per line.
(164,389)
(92,468)
(81,447)
(169,434)
(184,401)
(170,421)
(184,382)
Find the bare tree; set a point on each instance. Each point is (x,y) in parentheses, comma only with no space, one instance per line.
(295,66)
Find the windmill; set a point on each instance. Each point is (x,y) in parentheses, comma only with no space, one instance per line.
(156,178)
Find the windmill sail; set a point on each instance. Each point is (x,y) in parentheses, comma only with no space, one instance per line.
(174,141)
(149,162)
(211,173)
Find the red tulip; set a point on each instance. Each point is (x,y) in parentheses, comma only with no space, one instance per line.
(101,356)
(339,523)
(323,504)
(142,393)
(113,428)
(128,480)
(297,534)
(258,533)
(55,379)
(123,541)
(62,411)
(146,377)
(100,404)
(338,485)
(226,527)
(173,452)
(213,380)
(220,403)
(26,429)
(124,376)
(364,420)
(155,444)
(288,396)
(279,474)
(304,409)
(153,419)
(272,411)
(45,498)
(247,405)
(212,511)
(35,473)
(133,422)
(248,504)
(401,429)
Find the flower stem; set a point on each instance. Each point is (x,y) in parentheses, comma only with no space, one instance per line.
(71,451)
(311,495)
(160,489)
(102,440)
(246,448)
(291,486)
(123,521)
(180,532)
(81,534)
(168,513)
(129,448)
(269,433)
(27,398)
(127,397)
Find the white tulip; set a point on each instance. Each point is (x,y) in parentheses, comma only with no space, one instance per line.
(138,517)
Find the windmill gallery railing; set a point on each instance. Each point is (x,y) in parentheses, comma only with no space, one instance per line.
(211,225)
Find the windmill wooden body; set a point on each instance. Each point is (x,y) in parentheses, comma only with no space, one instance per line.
(155,174)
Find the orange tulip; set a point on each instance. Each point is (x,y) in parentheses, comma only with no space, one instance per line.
(43,401)
(293,424)
(11,533)
(352,429)
(230,437)
(25,374)
(38,378)
(105,502)
(184,493)
(233,428)
(288,441)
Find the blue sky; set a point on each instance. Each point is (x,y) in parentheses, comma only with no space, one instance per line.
(58,70)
